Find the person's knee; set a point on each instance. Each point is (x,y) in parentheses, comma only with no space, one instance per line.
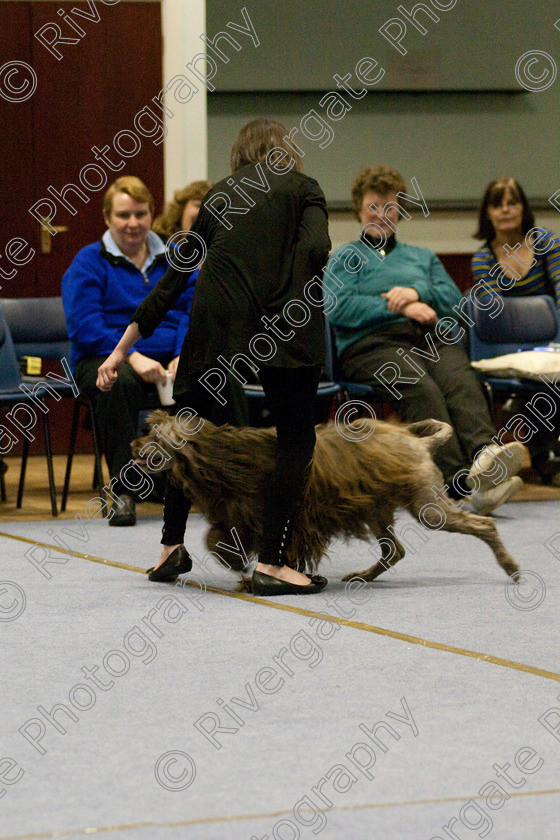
(422,400)
(129,393)
(128,379)
(120,407)
(85,376)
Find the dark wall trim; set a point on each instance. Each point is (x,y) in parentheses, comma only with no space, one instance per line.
(443,204)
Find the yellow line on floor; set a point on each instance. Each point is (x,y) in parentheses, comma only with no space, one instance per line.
(345,622)
(382,631)
(51,835)
(60,550)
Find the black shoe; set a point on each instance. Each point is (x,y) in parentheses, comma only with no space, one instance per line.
(262,584)
(179,562)
(124,511)
(547,464)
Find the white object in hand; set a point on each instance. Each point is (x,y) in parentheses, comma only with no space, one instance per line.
(165,390)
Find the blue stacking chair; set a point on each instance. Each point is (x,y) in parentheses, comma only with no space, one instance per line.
(12,395)
(353,390)
(327,390)
(38,328)
(522,324)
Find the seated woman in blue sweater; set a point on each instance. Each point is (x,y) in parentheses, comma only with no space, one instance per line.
(101,290)
(386,300)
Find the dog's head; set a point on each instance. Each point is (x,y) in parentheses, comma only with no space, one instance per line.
(167,436)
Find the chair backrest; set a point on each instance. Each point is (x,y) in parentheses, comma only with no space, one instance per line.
(38,326)
(522,324)
(331,367)
(10,377)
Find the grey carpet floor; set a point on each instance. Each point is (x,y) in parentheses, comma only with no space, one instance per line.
(419,707)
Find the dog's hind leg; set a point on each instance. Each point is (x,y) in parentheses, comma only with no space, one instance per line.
(391,552)
(460,521)
(229,546)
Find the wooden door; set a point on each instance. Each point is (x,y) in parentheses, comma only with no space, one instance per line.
(96,66)
(53,110)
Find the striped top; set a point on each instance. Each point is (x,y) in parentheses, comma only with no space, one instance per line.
(543,278)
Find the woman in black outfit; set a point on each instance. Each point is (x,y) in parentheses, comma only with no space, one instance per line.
(263,234)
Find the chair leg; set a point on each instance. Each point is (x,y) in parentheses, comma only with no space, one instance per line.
(49,457)
(83,399)
(24,454)
(2,482)
(97,454)
(341,397)
(489,394)
(71,450)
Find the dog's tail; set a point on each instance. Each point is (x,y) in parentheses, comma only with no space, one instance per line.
(436,432)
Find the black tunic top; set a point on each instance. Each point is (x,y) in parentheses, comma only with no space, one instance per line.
(263,250)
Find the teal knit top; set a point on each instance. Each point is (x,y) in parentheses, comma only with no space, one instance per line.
(357,274)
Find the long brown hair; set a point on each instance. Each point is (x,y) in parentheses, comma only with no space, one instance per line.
(493,197)
(169,222)
(256,139)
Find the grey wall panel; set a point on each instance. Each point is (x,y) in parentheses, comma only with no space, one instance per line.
(452,143)
(434,45)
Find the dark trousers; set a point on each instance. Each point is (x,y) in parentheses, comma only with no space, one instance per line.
(116,411)
(176,506)
(444,389)
(291,395)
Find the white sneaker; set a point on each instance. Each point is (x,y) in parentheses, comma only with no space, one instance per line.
(494,465)
(487,500)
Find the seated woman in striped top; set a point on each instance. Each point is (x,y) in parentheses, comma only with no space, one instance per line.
(518,258)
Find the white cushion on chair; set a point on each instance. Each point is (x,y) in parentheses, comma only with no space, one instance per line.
(527,364)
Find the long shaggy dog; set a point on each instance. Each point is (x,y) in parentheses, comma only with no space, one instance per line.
(360,474)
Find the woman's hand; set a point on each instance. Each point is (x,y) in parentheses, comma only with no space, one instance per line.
(172,366)
(420,312)
(149,370)
(109,370)
(399,296)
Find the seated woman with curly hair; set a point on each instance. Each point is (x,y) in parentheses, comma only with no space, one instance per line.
(180,213)
(391,302)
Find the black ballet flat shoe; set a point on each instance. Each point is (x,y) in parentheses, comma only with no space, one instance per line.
(178,563)
(262,584)
(123,512)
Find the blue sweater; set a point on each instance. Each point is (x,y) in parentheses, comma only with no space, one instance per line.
(353,301)
(102,289)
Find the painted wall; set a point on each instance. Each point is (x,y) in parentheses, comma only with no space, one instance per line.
(452,142)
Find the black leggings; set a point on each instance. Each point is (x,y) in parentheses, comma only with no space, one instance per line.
(290,394)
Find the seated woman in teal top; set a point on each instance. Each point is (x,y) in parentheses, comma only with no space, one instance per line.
(518,259)
(388,302)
